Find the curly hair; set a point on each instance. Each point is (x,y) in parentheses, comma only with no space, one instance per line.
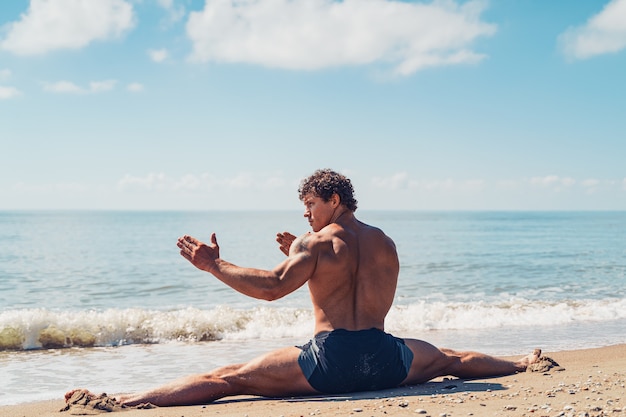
(326,182)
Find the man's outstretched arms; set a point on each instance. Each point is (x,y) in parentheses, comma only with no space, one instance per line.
(269,285)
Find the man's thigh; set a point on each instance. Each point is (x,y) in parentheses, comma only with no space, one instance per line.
(274,374)
(428,362)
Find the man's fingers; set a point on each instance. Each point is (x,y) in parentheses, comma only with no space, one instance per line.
(188,246)
(184,242)
(284,239)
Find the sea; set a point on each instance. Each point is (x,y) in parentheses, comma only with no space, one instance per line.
(103,300)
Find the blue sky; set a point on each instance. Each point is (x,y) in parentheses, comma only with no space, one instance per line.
(223,104)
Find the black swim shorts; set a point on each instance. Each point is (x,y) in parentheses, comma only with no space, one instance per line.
(349,361)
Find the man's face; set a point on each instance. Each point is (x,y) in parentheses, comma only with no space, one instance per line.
(317,211)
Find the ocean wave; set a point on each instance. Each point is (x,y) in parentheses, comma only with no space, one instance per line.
(29,329)
(510,313)
(46,329)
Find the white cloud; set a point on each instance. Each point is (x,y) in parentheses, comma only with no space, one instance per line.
(589,182)
(553,181)
(315,34)
(448,185)
(101,86)
(396,181)
(402,181)
(5,74)
(508,184)
(590,185)
(63,87)
(175,11)
(603,33)
(160,182)
(239,181)
(68,87)
(158,55)
(66,24)
(152,181)
(274,182)
(135,87)
(9,92)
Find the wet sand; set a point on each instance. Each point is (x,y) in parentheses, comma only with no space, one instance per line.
(591,383)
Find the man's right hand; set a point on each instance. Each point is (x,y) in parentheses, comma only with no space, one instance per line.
(285,239)
(201,255)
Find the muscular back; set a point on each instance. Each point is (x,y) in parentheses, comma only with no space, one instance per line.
(355,277)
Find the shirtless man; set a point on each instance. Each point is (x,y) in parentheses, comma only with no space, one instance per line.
(351,269)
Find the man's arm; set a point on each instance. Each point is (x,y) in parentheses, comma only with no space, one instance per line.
(285,278)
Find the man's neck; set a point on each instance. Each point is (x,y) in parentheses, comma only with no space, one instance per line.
(341,212)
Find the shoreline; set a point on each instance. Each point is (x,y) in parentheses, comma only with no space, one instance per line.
(592,383)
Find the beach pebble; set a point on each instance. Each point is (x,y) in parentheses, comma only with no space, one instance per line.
(421,411)
(357,410)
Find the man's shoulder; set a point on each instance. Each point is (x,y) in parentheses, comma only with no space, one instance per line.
(309,241)
(376,235)
(316,240)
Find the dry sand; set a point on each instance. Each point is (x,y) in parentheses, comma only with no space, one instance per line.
(591,384)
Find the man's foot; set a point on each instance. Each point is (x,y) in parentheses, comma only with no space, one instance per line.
(80,399)
(84,399)
(526,361)
(537,363)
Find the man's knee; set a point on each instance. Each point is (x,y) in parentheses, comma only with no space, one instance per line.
(229,373)
(451,361)
(450,352)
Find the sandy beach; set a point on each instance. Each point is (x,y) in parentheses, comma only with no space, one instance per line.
(590,382)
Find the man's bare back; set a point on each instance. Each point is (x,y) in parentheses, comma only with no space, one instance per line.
(356,273)
(351,269)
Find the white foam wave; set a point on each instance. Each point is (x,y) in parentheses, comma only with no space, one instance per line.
(511,313)
(41,328)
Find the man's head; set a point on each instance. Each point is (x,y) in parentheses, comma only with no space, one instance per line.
(324,183)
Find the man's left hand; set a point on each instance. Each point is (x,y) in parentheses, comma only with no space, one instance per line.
(285,239)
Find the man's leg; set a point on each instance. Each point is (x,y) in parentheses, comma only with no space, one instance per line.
(430,362)
(274,374)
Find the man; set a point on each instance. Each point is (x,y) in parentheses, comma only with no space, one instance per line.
(351,270)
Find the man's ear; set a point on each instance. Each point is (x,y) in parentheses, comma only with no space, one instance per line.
(335,200)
